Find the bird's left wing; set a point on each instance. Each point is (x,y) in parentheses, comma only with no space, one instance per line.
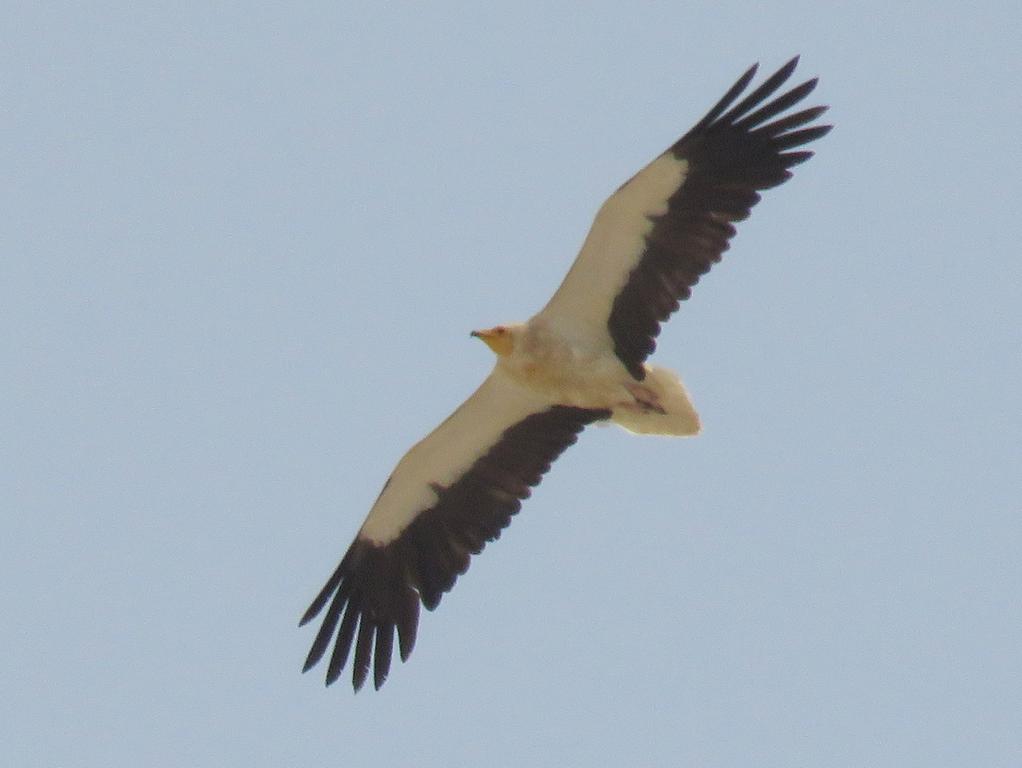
(450,494)
(667,225)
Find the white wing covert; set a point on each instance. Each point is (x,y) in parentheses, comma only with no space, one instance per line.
(453,492)
(665,227)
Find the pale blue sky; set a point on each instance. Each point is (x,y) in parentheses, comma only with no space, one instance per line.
(241,251)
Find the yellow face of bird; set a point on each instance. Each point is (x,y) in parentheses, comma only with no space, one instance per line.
(499,339)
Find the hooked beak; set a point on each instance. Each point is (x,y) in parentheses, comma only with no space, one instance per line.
(498,342)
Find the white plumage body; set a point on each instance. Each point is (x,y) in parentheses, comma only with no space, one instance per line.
(581,360)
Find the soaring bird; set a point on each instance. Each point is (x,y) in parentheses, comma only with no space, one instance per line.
(581,359)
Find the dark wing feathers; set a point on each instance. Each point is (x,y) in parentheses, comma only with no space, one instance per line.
(732,155)
(377,589)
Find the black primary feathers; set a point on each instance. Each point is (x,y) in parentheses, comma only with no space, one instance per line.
(378,588)
(731,156)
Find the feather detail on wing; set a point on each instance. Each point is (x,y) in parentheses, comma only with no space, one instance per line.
(451,494)
(664,228)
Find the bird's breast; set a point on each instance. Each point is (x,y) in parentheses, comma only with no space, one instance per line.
(567,374)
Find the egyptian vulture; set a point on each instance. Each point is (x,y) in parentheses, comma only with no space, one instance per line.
(581,359)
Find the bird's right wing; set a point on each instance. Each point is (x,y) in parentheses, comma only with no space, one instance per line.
(451,493)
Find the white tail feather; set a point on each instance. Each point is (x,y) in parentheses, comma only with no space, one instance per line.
(679,417)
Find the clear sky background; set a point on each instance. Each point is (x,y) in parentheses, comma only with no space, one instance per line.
(241,249)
